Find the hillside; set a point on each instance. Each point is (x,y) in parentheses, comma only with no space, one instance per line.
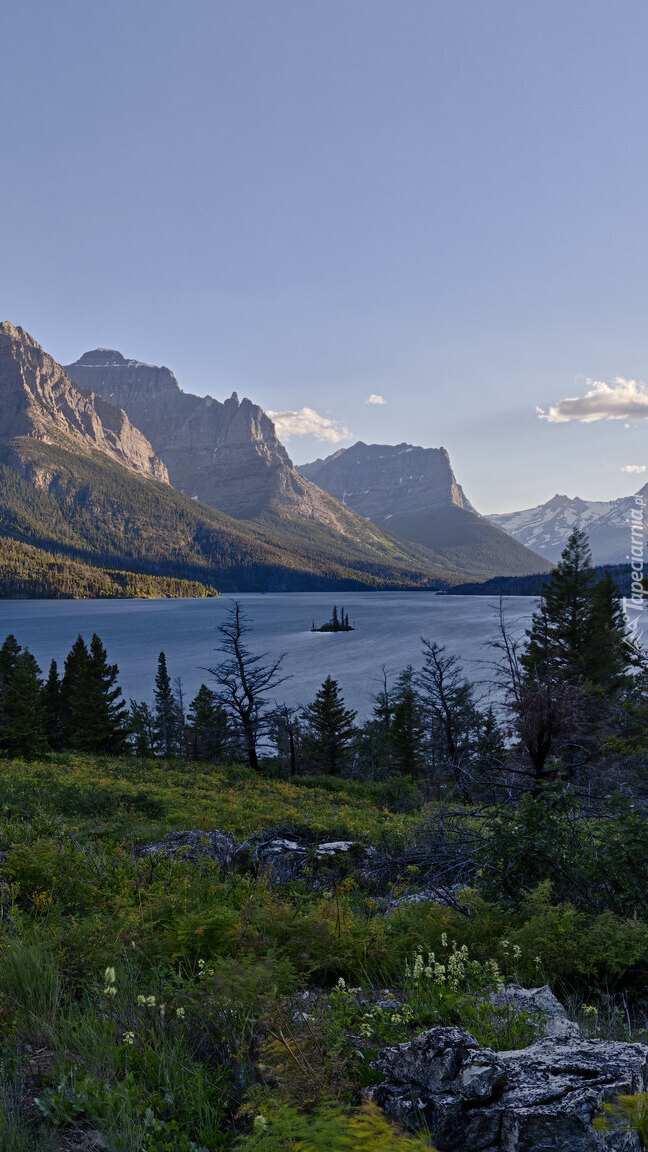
(28,573)
(93,510)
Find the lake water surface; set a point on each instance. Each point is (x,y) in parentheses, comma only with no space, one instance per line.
(388,630)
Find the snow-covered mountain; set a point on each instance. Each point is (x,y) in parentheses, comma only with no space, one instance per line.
(546,528)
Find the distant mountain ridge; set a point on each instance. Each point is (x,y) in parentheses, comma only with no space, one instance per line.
(412,492)
(547,527)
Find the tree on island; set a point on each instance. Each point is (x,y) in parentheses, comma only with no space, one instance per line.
(330,728)
(246,683)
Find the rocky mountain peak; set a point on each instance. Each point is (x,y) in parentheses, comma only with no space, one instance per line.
(383,480)
(38,400)
(224,452)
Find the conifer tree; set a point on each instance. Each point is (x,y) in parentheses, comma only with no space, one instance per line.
(22,713)
(107,722)
(74,694)
(607,657)
(330,728)
(559,633)
(208,735)
(141,727)
(491,748)
(166,726)
(452,720)
(53,705)
(407,726)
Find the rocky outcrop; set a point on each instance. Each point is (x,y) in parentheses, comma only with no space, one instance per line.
(192,846)
(412,492)
(385,480)
(39,401)
(279,855)
(538,1099)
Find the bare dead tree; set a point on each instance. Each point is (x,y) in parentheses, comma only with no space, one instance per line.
(246,682)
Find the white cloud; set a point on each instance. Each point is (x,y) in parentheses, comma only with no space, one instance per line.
(622,400)
(375,399)
(308,422)
(634,468)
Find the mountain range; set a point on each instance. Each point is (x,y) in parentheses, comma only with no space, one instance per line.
(109,462)
(546,528)
(413,492)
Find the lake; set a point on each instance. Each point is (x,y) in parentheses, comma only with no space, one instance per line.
(388,630)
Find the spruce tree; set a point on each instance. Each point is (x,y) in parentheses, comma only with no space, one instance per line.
(491,748)
(166,725)
(607,657)
(141,726)
(53,705)
(22,712)
(75,685)
(452,720)
(407,726)
(107,715)
(330,728)
(559,633)
(208,735)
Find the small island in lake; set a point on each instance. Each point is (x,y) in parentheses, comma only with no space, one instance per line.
(339,622)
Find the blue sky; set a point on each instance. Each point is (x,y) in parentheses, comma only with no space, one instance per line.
(313,201)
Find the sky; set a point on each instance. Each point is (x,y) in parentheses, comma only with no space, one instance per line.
(387,220)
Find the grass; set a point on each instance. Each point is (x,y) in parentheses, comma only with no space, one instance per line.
(168,1005)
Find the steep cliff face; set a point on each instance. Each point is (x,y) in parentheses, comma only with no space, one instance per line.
(412,492)
(384,480)
(225,453)
(39,401)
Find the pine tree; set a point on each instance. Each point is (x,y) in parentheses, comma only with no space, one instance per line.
(53,705)
(330,728)
(107,715)
(208,735)
(166,727)
(407,726)
(335,622)
(606,656)
(22,713)
(141,726)
(491,747)
(75,685)
(559,633)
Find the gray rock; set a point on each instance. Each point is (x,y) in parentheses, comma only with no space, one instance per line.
(284,859)
(539,1099)
(540,1004)
(193,846)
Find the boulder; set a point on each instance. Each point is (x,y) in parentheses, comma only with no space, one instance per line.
(538,1099)
(192,845)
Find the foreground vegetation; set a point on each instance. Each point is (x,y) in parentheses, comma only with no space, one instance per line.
(170,1004)
(154,1001)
